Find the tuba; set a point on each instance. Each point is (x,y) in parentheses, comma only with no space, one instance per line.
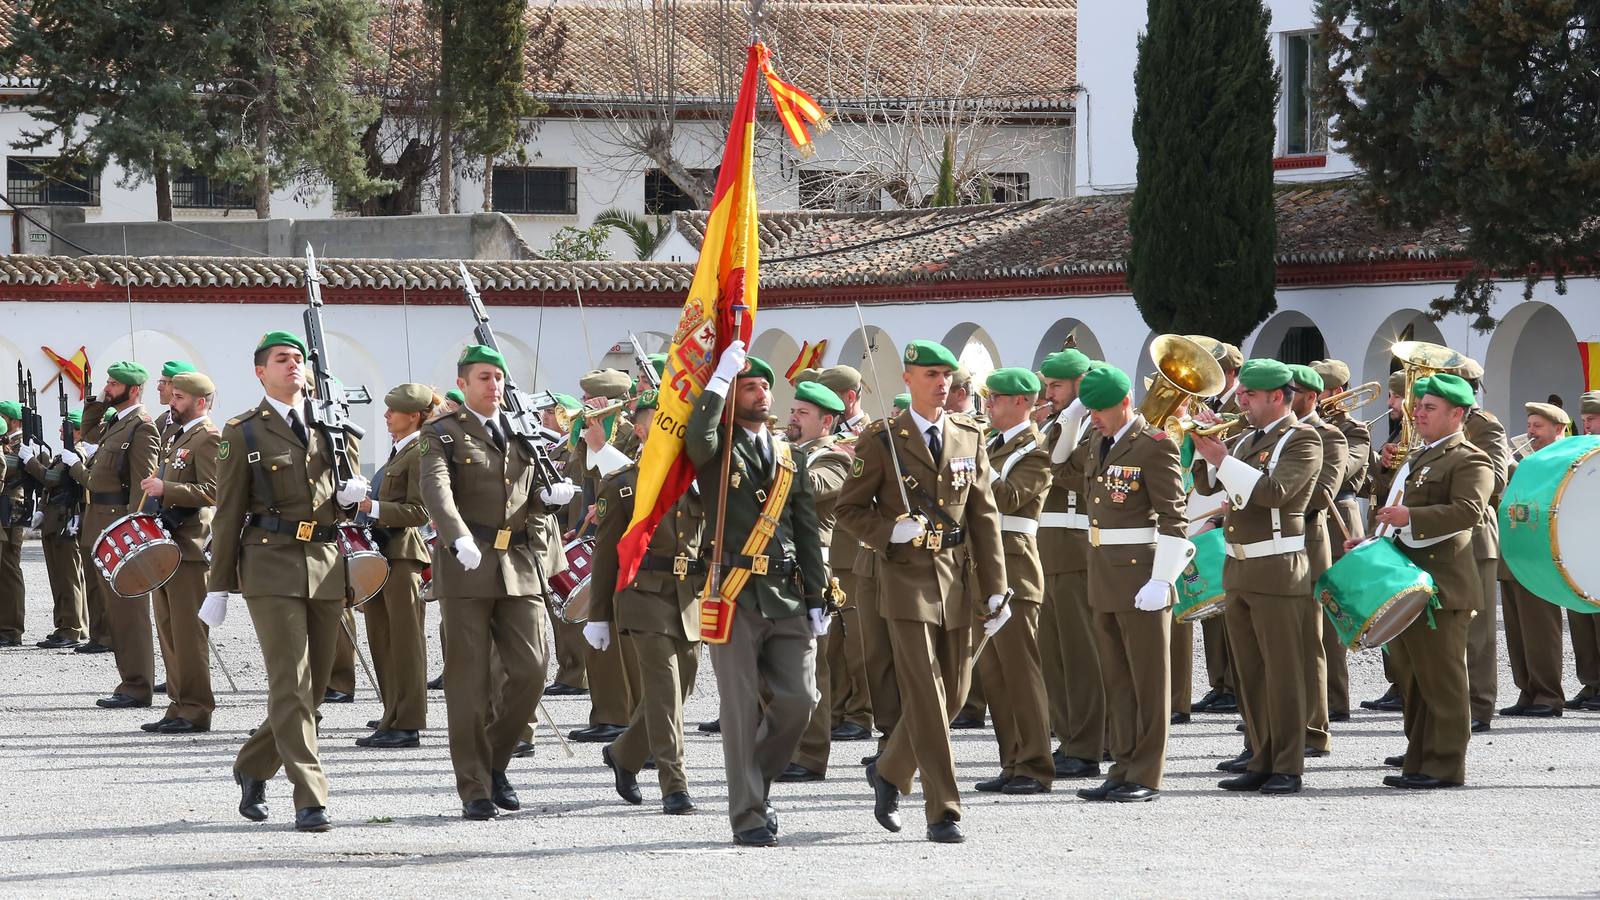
(1184,370)
(1420,359)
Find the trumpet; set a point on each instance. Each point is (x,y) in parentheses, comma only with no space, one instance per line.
(1229,426)
(566,417)
(1348,401)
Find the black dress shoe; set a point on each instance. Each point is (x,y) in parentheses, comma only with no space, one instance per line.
(332,696)
(1224,704)
(1479,726)
(374,723)
(1390,704)
(794,772)
(161,688)
(649,763)
(1179,718)
(1023,784)
(502,793)
(885,800)
(436,684)
(57,642)
(871,758)
(772,818)
(1238,764)
(626,784)
(1575,703)
(850,731)
(1394,781)
(478,810)
(11,642)
(390,739)
(180,725)
(1099,793)
(1592,704)
(755,837)
(992,785)
(1395,762)
(1541,711)
(1204,703)
(712,727)
(946,831)
(1392,695)
(966,722)
(596,734)
(1073,767)
(1515,710)
(153,726)
(677,803)
(91,647)
(252,797)
(557,689)
(1338,717)
(1419,782)
(1315,752)
(1133,793)
(1240,728)
(1282,784)
(121,701)
(1249,781)
(523,749)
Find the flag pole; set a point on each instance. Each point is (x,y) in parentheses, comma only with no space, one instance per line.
(714,578)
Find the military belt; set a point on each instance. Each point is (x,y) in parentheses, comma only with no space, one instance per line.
(1074,521)
(677,565)
(109,498)
(761,565)
(1019,525)
(309,532)
(499,538)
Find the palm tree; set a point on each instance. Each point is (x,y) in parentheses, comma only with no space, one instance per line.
(646,232)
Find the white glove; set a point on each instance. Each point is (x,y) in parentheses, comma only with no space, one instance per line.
(559,494)
(990,626)
(819,621)
(467,552)
(1067,439)
(87,450)
(598,634)
(907,530)
(995,602)
(27,452)
(37,520)
(1153,596)
(70,458)
(353,491)
(731,362)
(215,608)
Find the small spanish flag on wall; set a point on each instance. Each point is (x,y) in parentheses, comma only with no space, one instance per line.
(810,357)
(1589,352)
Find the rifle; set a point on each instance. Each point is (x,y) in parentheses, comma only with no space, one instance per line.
(67,443)
(647,369)
(520,407)
(330,407)
(33,423)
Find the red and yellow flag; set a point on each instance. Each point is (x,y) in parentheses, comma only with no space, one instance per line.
(809,358)
(1589,352)
(795,108)
(71,369)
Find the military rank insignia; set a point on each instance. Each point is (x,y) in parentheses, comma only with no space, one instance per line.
(1122,481)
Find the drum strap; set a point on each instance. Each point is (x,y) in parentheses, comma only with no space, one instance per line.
(258,471)
(1272,464)
(1011,462)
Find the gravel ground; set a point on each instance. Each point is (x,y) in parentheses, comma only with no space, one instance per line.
(94,806)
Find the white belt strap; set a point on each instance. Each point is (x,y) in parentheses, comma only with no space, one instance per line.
(1269,547)
(824,555)
(1019,525)
(1103,537)
(1073,520)
(1277,517)
(1004,471)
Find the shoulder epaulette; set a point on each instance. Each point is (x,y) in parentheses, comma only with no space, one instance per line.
(243,416)
(875,426)
(967,422)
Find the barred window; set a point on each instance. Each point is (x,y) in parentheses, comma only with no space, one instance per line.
(540,190)
(191,190)
(27,184)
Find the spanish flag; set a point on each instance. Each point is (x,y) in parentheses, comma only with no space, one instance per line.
(73,369)
(726,276)
(810,357)
(1589,352)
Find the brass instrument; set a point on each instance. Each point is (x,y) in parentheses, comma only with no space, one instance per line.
(1420,359)
(1184,371)
(1348,401)
(1226,429)
(565,417)
(1521,446)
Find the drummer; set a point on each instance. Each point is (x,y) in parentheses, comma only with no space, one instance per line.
(1532,624)
(1446,487)
(1585,627)
(1321,534)
(1377,493)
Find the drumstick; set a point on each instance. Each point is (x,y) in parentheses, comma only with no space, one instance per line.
(544,717)
(1333,512)
(222,664)
(350,632)
(1215,512)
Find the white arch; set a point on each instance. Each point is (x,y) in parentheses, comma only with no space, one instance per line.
(885,356)
(1269,338)
(1532,354)
(1379,362)
(1056,335)
(778,349)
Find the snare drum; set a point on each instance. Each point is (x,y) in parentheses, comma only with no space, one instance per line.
(1544,523)
(571,588)
(136,554)
(1200,594)
(363,564)
(430,536)
(1373,593)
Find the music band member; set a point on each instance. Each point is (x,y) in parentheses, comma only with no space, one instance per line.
(1321,534)
(1585,627)
(1532,624)
(13,525)
(1358,453)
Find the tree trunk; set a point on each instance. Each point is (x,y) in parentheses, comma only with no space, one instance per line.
(488,183)
(447,165)
(163,176)
(693,187)
(263,179)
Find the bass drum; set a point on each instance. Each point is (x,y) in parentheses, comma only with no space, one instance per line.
(570,589)
(1200,593)
(1372,594)
(1546,538)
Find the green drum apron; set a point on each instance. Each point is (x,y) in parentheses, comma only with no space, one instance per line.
(1373,593)
(1199,588)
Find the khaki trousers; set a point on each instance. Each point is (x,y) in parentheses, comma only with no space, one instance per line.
(1134,655)
(1320,555)
(343,676)
(847,669)
(932,665)
(1010,665)
(297,639)
(816,741)
(877,654)
(1431,672)
(484,728)
(184,650)
(63,560)
(780,655)
(1585,632)
(1220,674)
(1338,694)
(667,668)
(1533,643)
(570,646)
(1069,652)
(399,651)
(13,594)
(1483,640)
(1181,660)
(128,619)
(1267,646)
(613,682)
(94,599)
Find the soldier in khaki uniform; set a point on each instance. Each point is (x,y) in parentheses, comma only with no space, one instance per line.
(1138,548)
(1585,627)
(1532,624)
(1222,693)
(185,490)
(394,617)
(571,678)
(963,399)
(1358,452)
(1269,475)
(810,433)
(659,608)
(777,614)
(62,503)
(481,485)
(1019,467)
(13,524)
(949,534)
(1067,646)
(1321,535)
(127,449)
(1447,485)
(273,539)
(851,699)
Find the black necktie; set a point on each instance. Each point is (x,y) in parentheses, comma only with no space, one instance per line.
(1105,449)
(494,435)
(996,442)
(935,443)
(298,428)
(393,452)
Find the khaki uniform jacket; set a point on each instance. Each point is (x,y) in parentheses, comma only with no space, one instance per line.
(1447,490)
(797,536)
(400,509)
(1485,432)
(1064,550)
(467,480)
(1358,454)
(188,472)
(1329,478)
(915,583)
(127,453)
(656,601)
(1286,489)
(827,468)
(63,498)
(14,476)
(843,547)
(257,562)
(1139,485)
(1021,471)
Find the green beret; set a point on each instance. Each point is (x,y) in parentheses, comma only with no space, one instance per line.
(75,416)
(1419,387)
(409,398)
(195,384)
(930,353)
(281,339)
(176,367)
(659,360)
(1450,388)
(840,379)
(1306,377)
(11,409)
(902,401)
(647,399)
(1065,365)
(1264,374)
(1589,403)
(815,393)
(478,353)
(756,368)
(455,395)
(612,384)
(1104,387)
(568,402)
(129,373)
(1011,381)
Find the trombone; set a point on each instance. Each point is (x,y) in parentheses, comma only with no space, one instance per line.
(1348,401)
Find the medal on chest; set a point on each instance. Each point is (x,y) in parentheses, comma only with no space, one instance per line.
(961,469)
(1121,481)
(180,459)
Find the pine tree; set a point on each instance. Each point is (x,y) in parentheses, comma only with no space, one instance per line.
(1484,115)
(1204,233)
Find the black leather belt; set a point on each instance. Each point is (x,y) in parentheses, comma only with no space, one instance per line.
(761,565)
(310,532)
(499,538)
(1342,496)
(108,498)
(677,565)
